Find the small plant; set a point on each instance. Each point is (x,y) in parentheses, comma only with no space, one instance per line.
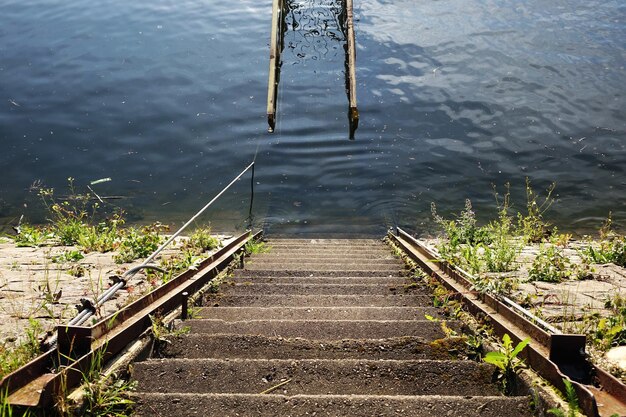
(611,331)
(257,246)
(491,248)
(161,333)
(139,243)
(13,358)
(495,284)
(532,225)
(75,219)
(507,362)
(474,347)
(464,229)
(68,256)
(68,217)
(201,240)
(104,395)
(77,270)
(103,237)
(572,402)
(187,259)
(471,258)
(560,239)
(611,249)
(108,397)
(31,236)
(501,254)
(550,265)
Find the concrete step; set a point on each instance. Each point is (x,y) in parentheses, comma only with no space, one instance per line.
(197,345)
(304,252)
(314,289)
(318,273)
(258,405)
(316,313)
(349,243)
(382,254)
(250,278)
(316,376)
(348,246)
(309,266)
(316,255)
(290,261)
(319,300)
(323,329)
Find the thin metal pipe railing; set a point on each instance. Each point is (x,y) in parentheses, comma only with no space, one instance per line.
(88,312)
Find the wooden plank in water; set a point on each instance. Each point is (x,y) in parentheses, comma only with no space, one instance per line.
(272,83)
(353,113)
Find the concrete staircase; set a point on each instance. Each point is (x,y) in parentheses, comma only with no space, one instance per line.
(319,328)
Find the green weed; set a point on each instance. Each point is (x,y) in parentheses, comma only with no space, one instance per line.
(11,358)
(490,248)
(507,362)
(201,240)
(109,398)
(77,270)
(181,262)
(462,230)
(471,258)
(572,402)
(104,395)
(102,237)
(610,331)
(495,284)
(501,254)
(68,256)
(550,265)
(139,243)
(610,249)
(257,246)
(161,334)
(31,236)
(532,225)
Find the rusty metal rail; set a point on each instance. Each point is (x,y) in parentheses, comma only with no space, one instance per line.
(40,382)
(552,355)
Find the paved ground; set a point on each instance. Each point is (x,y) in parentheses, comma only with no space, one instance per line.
(33,286)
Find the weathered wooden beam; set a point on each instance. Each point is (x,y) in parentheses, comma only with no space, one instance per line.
(275,49)
(353,112)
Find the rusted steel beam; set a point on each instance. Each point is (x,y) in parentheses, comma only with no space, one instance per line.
(353,112)
(274,70)
(38,383)
(553,356)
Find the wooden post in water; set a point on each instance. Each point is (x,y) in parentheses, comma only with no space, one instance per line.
(353,112)
(275,49)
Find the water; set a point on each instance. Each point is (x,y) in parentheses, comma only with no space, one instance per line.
(168,99)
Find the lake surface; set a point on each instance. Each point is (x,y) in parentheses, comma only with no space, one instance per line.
(168,99)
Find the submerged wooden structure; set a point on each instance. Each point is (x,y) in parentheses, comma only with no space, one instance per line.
(276,48)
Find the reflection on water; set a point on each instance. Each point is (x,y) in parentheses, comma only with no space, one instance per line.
(168,99)
(313,30)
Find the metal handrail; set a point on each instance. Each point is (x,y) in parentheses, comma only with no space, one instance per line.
(90,308)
